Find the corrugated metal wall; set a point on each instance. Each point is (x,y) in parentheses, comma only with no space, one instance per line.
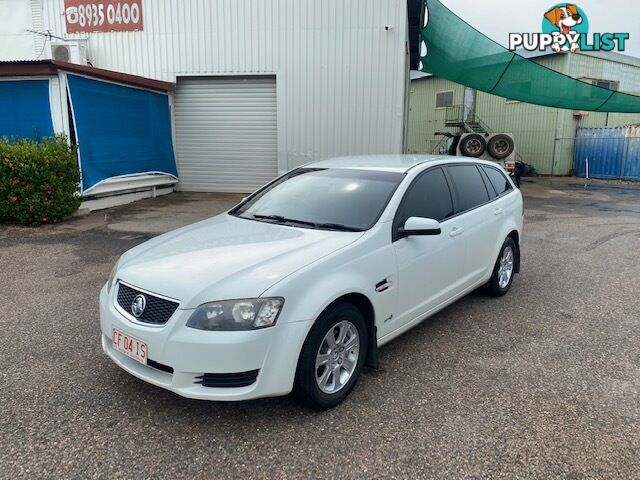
(544,136)
(424,118)
(608,152)
(16,43)
(340,74)
(533,126)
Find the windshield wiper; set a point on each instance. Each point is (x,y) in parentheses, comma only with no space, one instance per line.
(337,226)
(327,225)
(281,219)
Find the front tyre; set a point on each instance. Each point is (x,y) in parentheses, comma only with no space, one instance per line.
(504,269)
(332,357)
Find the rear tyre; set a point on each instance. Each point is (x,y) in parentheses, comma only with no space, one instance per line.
(332,357)
(504,269)
(473,145)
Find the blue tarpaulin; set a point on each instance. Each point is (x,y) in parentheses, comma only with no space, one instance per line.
(24,109)
(120,130)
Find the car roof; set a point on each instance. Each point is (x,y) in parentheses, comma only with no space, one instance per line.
(390,163)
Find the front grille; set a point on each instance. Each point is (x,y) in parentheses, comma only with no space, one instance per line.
(228,380)
(157,311)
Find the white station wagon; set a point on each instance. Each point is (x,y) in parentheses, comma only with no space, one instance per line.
(296,287)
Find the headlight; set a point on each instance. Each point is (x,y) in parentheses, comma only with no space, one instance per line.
(112,276)
(249,314)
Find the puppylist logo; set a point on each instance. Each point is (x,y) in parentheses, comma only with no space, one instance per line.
(565,28)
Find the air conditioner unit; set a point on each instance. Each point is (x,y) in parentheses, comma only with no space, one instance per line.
(72,51)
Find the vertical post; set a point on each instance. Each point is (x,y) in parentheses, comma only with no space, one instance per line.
(586,162)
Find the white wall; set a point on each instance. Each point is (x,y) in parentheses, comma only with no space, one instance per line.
(16,43)
(340,74)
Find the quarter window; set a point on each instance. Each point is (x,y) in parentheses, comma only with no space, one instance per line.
(490,190)
(428,197)
(498,180)
(470,188)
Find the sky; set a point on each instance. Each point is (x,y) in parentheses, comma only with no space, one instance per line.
(498,18)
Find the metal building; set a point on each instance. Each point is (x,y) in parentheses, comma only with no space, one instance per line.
(544,136)
(262,86)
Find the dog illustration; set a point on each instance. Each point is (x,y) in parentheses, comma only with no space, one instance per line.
(565,18)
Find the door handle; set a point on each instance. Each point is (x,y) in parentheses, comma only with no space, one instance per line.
(455,231)
(383,286)
(498,211)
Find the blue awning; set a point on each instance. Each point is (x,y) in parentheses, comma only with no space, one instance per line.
(121,130)
(24,109)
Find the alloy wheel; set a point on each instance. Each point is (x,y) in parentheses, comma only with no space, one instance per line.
(337,357)
(505,271)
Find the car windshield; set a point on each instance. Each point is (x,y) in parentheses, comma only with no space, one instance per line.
(331,199)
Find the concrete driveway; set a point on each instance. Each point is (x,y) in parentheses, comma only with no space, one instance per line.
(542,383)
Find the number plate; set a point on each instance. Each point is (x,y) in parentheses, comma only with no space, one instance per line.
(130,346)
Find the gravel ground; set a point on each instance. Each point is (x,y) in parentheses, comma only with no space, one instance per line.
(542,383)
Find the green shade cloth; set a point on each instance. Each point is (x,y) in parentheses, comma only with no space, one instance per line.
(458,52)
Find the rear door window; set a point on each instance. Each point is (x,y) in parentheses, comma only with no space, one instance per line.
(469,186)
(498,179)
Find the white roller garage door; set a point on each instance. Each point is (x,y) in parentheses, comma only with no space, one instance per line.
(226,133)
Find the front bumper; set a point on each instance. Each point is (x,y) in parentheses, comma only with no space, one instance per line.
(191,353)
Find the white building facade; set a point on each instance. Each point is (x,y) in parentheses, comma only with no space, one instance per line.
(262,86)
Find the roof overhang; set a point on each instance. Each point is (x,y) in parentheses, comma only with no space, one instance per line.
(28,68)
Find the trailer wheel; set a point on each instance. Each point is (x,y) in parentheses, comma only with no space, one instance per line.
(473,146)
(500,146)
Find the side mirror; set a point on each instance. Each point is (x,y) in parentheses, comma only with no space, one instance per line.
(418,226)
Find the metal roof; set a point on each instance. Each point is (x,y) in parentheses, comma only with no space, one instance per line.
(608,56)
(51,67)
(614,57)
(418,74)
